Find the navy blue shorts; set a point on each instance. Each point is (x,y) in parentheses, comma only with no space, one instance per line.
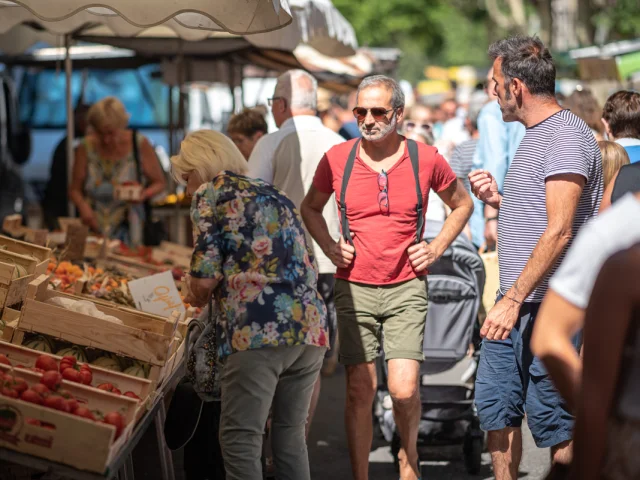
(511,382)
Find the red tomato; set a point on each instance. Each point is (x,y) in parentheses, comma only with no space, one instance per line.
(71,401)
(46,363)
(52,380)
(108,387)
(19,385)
(4,359)
(71,374)
(31,396)
(115,419)
(85,376)
(9,392)
(41,389)
(131,395)
(84,412)
(67,361)
(56,402)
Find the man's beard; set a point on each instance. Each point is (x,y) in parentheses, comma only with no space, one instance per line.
(375,135)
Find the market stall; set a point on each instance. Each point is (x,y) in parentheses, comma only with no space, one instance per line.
(80,363)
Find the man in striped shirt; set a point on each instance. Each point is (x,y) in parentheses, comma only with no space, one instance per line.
(553,186)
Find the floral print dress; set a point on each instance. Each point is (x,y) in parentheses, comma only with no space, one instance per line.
(121,220)
(249,236)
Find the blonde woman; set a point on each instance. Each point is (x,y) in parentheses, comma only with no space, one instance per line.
(106,158)
(614,157)
(250,253)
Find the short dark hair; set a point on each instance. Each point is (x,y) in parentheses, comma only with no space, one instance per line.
(248,123)
(622,113)
(527,59)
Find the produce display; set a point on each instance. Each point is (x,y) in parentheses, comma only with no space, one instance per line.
(65,379)
(87,355)
(48,392)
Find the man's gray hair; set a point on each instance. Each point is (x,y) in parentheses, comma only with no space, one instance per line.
(299,89)
(397,97)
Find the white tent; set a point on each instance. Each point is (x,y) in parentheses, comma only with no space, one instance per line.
(129,17)
(244,17)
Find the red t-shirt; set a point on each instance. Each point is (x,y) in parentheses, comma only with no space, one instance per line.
(380,239)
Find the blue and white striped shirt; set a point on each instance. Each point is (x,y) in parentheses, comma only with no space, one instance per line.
(561,144)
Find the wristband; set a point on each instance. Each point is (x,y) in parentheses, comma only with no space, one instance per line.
(513,300)
(490,219)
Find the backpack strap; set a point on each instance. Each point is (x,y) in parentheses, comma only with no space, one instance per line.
(344,223)
(412,146)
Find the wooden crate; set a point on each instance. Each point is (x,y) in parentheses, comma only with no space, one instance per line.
(175,254)
(19,355)
(12,290)
(67,442)
(41,254)
(144,337)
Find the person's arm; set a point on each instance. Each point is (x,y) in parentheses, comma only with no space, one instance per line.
(563,193)
(556,323)
(261,160)
(340,252)
(152,170)
(206,261)
(452,192)
(76,188)
(456,197)
(614,298)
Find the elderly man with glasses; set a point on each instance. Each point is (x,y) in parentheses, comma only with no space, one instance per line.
(382,183)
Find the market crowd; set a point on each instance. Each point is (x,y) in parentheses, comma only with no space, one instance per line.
(310,242)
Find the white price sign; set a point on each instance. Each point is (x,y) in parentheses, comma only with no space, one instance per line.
(157,294)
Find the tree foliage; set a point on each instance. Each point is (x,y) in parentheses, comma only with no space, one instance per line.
(455,32)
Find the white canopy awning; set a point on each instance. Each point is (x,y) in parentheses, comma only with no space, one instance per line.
(239,17)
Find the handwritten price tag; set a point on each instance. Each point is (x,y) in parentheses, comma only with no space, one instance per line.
(157,294)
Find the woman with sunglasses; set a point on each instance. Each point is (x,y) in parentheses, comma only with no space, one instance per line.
(382,260)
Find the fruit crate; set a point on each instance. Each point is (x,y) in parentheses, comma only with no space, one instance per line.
(142,336)
(41,255)
(63,437)
(14,281)
(19,355)
(173,253)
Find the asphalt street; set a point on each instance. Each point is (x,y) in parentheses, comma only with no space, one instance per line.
(329,456)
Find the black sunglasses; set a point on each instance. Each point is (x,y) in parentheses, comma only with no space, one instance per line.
(376,112)
(273,99)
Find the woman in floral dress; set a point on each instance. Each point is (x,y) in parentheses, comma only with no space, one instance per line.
(251,254)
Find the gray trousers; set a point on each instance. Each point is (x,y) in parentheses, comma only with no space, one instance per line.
(252,382)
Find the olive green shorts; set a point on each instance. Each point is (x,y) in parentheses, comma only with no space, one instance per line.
(369,314)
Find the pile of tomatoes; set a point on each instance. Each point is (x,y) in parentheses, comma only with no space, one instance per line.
(49,393)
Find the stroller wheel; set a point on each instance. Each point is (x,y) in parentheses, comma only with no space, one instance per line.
(473,447)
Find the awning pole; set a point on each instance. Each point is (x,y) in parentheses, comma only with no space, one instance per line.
(70,119)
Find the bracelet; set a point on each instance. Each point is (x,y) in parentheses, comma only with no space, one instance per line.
(513,300)
(490,219)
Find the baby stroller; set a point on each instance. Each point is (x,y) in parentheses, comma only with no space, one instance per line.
(449,417)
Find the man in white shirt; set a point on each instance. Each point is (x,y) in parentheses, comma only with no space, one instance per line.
(563,310)
(288,159)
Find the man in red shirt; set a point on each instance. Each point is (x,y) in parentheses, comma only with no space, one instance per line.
(381,278)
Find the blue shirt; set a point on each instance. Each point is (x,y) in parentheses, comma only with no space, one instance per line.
(632,146)
(496,148)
